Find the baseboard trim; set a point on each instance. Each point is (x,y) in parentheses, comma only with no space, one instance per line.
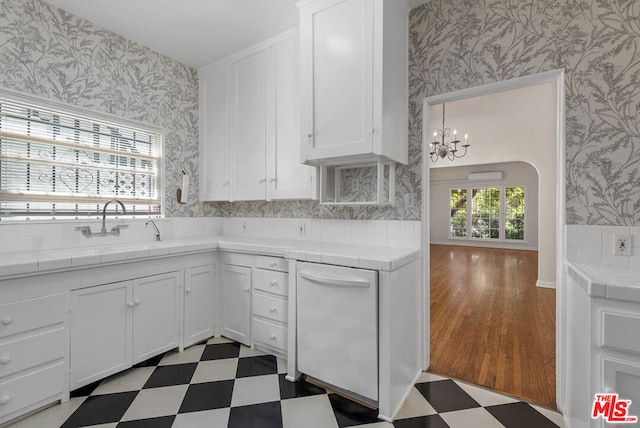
(545,284)
(481,244)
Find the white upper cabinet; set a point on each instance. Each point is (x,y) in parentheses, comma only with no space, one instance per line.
(247,127)
(287,177)
(354,72)
(250,125)
(214,157)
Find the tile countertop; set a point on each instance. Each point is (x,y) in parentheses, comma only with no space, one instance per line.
(359,256)
(607,282)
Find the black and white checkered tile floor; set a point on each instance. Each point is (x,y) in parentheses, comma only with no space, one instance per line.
(225,384)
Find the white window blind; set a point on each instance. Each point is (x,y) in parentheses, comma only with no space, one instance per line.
(57,164)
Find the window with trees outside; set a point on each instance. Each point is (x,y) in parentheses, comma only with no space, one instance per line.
(493,213)
(58,162)
(459,213)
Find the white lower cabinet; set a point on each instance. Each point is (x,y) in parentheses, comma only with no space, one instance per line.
(270,306)
(254,304)
(101,332)
(602,356)
(156,315)
(623,377)
(33,354)
(199,303)
(116,325)
(236,302)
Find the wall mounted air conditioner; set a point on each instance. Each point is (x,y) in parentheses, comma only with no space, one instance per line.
(486,176)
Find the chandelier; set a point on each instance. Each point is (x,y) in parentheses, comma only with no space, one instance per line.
(443,149)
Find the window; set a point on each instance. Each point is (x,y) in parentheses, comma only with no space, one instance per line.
(60,164)
(459,213)
(485,213)
(495,213)
(514,213)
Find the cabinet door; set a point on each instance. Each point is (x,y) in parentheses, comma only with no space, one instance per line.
(247,127)
(214,156)
(621,377)
(101,320)
(337,71)
(156,315)
(236,303)
(287,177)
(199,286)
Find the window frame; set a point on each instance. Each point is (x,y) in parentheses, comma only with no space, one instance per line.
(99,117)
(467,210)
(502,215)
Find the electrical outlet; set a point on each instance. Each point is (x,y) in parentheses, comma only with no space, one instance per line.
(622,245)
(301,229)
(409,200)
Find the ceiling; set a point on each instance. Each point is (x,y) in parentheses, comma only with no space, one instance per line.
(194,32)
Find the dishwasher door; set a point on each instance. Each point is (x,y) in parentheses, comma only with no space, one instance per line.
(337,326)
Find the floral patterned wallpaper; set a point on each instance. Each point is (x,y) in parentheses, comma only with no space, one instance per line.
(457,44)
(453,44)
(47,52)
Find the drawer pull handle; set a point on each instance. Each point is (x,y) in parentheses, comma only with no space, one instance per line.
(274,265)
(5,360)
(137,302)
(7,320)
(273,310)
(272,337)
(273,283)
(246,290)
(187,290)
(5,400)
(130,304)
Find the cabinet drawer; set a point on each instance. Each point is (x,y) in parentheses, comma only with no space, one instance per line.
(270,334)
(270,307)
(236,259)
(272,263)
(31,314)
(271,281)
(616,330)
(35,387)
(31,351)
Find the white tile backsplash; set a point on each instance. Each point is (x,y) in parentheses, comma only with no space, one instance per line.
(608,233)
(594,245)
(572,245)
(634,259)
(385,233)
(589,234)
(635,236)
(43,236)
(610,259)
(589,254)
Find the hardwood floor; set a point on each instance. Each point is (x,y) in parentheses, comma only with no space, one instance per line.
(490,324)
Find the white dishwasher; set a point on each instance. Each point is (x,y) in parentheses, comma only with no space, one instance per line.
(337,326)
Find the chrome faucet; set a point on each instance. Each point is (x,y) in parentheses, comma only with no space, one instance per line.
(104,213)
(154,225)
(86,230)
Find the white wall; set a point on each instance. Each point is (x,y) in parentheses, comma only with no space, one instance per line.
(510,126)
(455,177)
